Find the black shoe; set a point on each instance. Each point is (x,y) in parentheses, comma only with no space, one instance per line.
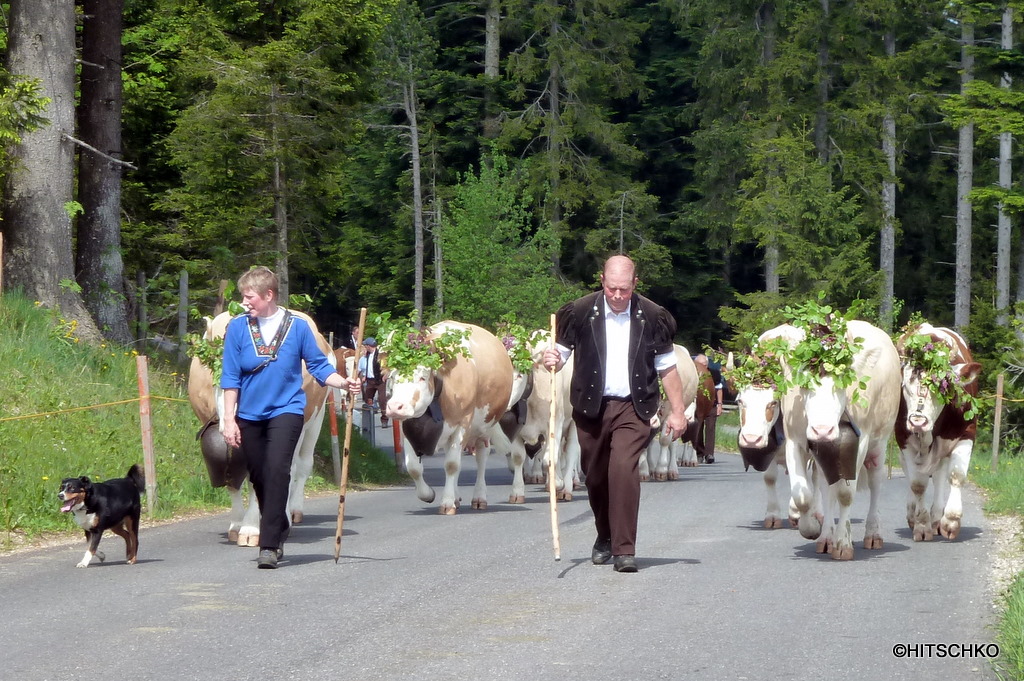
(625,564)
(602,552)
(267,559)
(710,458)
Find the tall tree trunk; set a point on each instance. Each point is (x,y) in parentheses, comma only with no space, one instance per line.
(37,228)
(409,94)
(964,182)
(766,18)
(554,154)
(280,202)
(492,65)
(887,257)
(98,259)
(1004,229)
(824,83)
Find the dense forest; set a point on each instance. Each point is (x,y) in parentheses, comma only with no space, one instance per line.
(467,159)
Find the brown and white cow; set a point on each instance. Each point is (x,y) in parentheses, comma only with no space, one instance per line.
(663,453)
(457,406)
(935,436)
(845,438)
(760,439)
(226,465)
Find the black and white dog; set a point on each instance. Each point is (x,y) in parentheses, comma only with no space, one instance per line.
(113,505)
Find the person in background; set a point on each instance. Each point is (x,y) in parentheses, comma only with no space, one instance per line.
(622,343)
(374,384)
(263,397)
(704,438)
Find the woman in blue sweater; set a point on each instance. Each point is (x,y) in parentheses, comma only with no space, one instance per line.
(262,380)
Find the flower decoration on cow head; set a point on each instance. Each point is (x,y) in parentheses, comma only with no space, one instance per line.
(518,342)
(762,368)
(932,361)
(826,351)
(405,347)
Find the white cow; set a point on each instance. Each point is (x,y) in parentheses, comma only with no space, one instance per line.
(663,453)
(935,436)
(457,406)
(826,426)
(225,465)
(531,446)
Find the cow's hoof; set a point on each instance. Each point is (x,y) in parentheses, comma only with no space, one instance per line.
(673,475)
(822,546)
(564,496)
(810,527)
(661,477)
(446,510)
(873,543)
(233,536)
(923,532)
(248,539)
(645,478)
(772,522)
(480,504)
(950,528)
(297,517)
(842,553)
(516,499)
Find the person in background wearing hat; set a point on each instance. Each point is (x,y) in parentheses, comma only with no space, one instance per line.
(374,384)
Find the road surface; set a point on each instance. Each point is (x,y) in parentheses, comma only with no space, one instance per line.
(479,596)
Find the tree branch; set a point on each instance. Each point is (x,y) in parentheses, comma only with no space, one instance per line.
(96,151)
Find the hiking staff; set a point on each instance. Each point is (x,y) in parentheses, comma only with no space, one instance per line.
(343,485)
(553,441)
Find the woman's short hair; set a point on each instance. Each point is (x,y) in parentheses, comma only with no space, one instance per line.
(260,279)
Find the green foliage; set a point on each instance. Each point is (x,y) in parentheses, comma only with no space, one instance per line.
(762,368)
(933,364)
(494,261)
(210,352)
(825,350)
(405,348)
(517,341)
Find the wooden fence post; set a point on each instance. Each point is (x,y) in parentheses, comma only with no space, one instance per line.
(996,423)
(142,368)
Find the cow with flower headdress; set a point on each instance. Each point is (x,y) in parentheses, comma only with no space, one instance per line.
(936,425)
(838,413)
(759,380)
(451,384)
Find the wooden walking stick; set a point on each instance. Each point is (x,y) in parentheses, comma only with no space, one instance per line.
(343,485)
(553,443)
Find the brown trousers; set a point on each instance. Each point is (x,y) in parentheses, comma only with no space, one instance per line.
(610,449)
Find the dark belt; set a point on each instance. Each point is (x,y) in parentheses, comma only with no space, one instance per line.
(612,398)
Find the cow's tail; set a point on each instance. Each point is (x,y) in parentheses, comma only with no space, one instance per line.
(135,475)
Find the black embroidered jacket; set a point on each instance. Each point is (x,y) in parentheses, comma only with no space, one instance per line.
(580,326)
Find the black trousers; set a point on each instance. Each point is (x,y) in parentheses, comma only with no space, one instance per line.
(610,450)
(269,447)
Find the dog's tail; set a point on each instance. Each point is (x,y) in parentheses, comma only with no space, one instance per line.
(135,475)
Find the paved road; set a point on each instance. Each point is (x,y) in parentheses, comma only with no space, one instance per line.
(478,596)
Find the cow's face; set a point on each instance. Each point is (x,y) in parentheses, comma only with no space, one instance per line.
(759,410)
(411,396)
(924,405)
(824,406)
